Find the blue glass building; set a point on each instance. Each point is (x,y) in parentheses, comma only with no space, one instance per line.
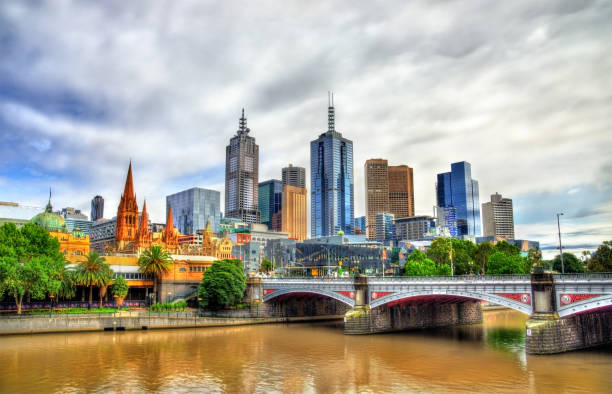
(331,169)
(193,208)
(457,189)
(360,223)
(270,198)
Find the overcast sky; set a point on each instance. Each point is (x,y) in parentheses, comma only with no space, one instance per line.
(520,89)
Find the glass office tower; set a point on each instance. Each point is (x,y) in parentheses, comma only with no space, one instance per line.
(270,201)
(193,208)
(331,168)
(457,189)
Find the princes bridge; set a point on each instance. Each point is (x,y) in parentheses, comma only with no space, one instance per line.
(567,312)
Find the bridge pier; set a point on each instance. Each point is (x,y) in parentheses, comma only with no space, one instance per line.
(547,333)
(362,319)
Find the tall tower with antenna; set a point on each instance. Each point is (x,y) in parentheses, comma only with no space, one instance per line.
(332,206)
(242,175)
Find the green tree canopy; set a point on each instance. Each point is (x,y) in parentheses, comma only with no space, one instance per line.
(223,284)
(507,248)
(30,262)
(439,251)
(418,264)
(120,289)
(266,265)
(601,260)
(93,271)
(155,261)
(481,256)
(501,263)
(463,256)
(571,264)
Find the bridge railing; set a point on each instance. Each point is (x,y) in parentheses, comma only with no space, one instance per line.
(455,278)
(583,277)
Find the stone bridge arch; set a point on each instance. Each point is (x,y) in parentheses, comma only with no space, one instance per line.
(523,306)
(592,303)
(331,294)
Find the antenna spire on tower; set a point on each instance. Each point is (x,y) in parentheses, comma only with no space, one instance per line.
(330,112)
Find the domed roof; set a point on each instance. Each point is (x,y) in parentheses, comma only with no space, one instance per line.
(50,221)
(78,233)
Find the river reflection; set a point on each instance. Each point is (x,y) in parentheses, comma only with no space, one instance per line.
(298,358)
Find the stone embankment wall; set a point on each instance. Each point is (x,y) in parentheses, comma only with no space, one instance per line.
(406,316)
(75,323)
(547,334)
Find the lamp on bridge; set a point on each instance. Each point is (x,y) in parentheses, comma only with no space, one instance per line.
(560,247)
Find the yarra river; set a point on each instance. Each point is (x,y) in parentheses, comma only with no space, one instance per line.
(298,358)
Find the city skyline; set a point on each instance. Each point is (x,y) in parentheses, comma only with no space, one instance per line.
(59,127)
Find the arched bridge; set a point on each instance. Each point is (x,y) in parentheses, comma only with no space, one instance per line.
(573,293)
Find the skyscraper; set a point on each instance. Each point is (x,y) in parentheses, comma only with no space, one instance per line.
(97,208)
(457,189)
(331,168)
(385,226)
(242,175)
(498,217)
(193,208)
(389,189)
(401,191)
(377,192)
(294,176)
(270,203)
(293,214)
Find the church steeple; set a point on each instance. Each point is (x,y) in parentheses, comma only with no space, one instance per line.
(170,236)
(128,190)
(144,236)
(127,215)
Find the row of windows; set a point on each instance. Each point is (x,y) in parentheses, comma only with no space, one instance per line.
(197,268)
(132,276)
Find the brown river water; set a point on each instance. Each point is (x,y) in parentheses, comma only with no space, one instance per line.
(488,357)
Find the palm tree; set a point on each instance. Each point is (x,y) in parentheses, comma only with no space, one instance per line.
(105,278)
(155,261)
(89,272)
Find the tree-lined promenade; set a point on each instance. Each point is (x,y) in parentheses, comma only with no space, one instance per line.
(33,268)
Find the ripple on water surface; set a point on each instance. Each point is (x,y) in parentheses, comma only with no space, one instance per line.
(298,358)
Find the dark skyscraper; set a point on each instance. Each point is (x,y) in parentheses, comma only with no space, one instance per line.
(97,208)
(242,176)
(457,189)
(294,176)
(331,168)
(270,202)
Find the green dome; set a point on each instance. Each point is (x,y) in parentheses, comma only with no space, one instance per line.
(50,221)
(78,233)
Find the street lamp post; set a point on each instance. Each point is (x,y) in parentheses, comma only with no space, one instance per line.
(560,247)
(51,309)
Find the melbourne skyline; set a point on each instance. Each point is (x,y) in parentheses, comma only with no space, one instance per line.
(520,90)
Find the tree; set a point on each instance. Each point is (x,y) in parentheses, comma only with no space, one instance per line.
(507,248)
(462,254)
(571,264)
(90,272)
(155,261)
(267,266)
(30,262)
(500,263)
(601,259)
(481,256)
(418,264)
(223,284)
(120,289)
(67,287)
(439,251)
(104,280)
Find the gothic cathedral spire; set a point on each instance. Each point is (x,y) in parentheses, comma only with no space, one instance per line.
(127,215)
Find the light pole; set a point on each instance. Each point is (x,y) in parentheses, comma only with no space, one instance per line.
(560,247)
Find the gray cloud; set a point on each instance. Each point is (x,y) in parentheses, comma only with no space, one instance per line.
(519,89)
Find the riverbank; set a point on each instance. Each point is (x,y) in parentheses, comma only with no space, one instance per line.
(38,324)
